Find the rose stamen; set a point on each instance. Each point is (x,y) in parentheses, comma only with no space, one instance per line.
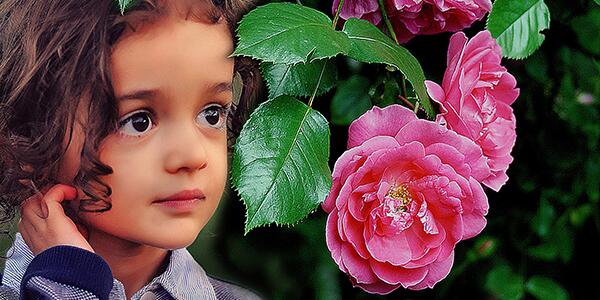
(403,196)
(397,210)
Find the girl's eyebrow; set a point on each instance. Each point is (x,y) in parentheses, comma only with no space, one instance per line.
(221,87)
(141,94)
(151,94)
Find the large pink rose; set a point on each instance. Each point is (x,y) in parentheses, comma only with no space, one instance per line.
(414,17)
(475,99)
(403,195)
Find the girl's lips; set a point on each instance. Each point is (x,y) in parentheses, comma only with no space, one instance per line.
(180,205)
(185,195)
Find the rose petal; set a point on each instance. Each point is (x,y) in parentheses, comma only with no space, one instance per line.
(334,244)
(380,288)
(437,271)
(354,233)
(454,233)
(356,266)
(393,249)
(428,133)
(398,275)
(474,216)
(430,256)
(378,122)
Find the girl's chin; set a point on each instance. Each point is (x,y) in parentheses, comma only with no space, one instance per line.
(171,242)
(174,245)
(160,240)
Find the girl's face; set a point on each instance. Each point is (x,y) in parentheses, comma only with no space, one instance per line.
(173,83)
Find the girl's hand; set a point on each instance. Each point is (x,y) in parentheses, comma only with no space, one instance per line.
(44,224)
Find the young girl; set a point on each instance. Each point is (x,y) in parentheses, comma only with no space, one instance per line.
(122,123)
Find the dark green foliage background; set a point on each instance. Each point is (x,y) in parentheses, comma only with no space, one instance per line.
(544,222)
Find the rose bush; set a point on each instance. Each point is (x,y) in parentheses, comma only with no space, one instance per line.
(413,17)
(404,194)
(475,98)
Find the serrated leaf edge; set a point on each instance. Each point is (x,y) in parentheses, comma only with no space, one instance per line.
(517,57)
(265,225)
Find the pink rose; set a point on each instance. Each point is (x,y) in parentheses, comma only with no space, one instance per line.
(413,17)
(403,195)
(475,99)
(361,9)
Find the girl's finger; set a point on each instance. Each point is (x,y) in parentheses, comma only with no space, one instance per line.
(35,205)
(31,213)
(56,195)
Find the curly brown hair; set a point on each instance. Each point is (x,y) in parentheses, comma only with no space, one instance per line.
(53,54)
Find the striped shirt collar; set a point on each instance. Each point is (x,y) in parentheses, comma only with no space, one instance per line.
(183,278)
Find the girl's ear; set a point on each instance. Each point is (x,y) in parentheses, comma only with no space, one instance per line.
(238,85)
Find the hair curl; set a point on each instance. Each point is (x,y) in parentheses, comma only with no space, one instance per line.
(53,54)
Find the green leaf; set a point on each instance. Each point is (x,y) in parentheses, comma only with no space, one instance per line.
(597,2)
(544,218)
(351,100)
(391,90)
(504,283)
(299,80)
(370,45)
(559,243)
(586,29)
(280,162)
(537,68)
(547,251)
(385,89)
(124,5)
(563,237)
(516,25)
(592,172)
(579,215)
(544,288)
(324,270)
(290,34)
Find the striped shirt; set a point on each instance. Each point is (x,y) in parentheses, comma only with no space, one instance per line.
(65,272)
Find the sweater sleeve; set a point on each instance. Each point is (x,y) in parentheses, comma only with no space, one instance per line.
(67,272)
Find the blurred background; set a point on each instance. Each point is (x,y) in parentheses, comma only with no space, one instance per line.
(542,237)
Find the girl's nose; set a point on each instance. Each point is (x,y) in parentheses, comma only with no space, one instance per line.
(186,150)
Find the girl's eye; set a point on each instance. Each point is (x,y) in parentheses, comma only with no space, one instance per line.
(136,124)
(140,122)
(215,116)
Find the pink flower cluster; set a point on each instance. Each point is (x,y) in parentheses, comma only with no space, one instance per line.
(414,17)
(408,190)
